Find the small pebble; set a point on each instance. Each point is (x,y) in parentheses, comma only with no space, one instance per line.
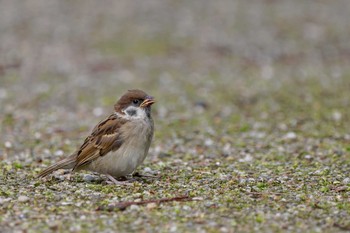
(251,180)
(347,137)
(257,134)
(23,198)
(346,181)
(59,152)
(89,178)
(173,228)
(8,144)
(151,205)
(134,207)
(4,200)
(147,170)
(75,228)
(37,135)
(282,126)
(208,204)
(208,142)
(59,177)
(242,181)
(336,116)
(247,158)
(290,135)
(66,203)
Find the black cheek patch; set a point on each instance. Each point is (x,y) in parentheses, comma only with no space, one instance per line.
(131,112)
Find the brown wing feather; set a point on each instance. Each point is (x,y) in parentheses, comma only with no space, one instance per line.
(105,137)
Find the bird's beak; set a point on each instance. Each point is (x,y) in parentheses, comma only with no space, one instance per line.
(147,102)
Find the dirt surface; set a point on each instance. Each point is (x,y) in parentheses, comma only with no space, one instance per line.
(252,115)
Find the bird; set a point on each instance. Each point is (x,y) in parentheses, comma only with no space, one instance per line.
(118,144)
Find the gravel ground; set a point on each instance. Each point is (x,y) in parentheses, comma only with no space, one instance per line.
(252,119)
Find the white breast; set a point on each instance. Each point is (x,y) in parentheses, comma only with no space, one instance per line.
(123,161)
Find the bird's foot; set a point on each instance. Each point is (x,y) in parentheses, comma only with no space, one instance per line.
(116,182)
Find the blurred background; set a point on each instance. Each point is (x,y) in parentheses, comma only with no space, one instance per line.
(216,68)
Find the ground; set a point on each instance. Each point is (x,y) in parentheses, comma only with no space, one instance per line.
(252,115)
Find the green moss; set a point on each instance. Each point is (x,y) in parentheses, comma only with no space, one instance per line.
(17,165)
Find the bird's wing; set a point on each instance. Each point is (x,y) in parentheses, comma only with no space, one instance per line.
(105,137)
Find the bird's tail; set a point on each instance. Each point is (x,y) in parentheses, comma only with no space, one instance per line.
(66,163)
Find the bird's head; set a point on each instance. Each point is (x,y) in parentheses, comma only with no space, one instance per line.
(134,103)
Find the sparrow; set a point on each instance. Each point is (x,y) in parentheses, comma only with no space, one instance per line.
(118,144)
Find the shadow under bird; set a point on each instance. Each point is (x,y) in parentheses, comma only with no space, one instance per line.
(118,144)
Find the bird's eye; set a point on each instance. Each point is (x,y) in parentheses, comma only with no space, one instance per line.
(136,101)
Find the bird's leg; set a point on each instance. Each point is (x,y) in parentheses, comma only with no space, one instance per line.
(116,182)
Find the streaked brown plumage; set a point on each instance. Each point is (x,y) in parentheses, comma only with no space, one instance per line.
(118,144)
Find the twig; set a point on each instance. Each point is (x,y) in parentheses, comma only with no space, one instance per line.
(124,204)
